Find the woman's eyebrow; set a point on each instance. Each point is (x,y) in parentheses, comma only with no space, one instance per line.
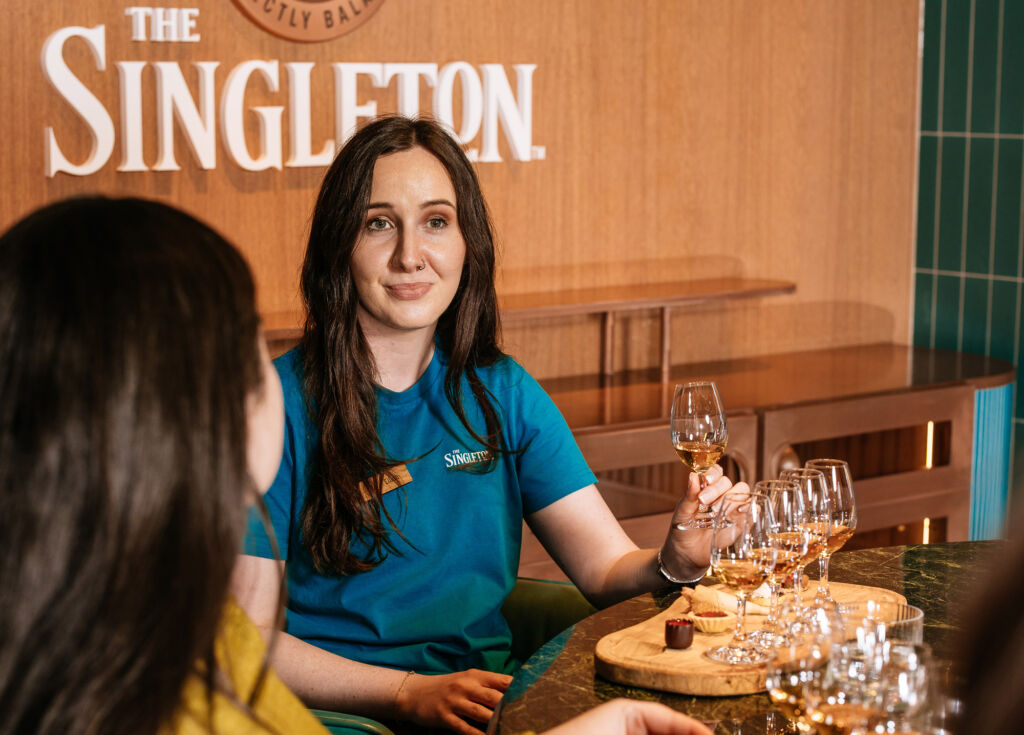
(424,205)
(435,202)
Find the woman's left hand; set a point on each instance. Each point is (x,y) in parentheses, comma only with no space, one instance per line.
(687,552)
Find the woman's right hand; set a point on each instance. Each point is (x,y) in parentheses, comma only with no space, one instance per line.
(449,700)
(631,717)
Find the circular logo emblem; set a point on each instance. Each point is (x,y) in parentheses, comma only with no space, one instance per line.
(309,20)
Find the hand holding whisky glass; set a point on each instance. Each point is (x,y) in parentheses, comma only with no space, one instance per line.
(699,435)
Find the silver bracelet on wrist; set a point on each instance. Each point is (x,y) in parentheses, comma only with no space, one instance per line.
(664,573)
(401,685)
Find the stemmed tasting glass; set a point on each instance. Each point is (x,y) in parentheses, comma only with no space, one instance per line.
(843,512)
(817,515)
(801,658)
(868,685)
(699,435)
(790,538)
(943,710)
(891,621)
(844,698)
(905,687)
(741,555)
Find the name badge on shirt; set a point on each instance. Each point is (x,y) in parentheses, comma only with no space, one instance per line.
(390,480)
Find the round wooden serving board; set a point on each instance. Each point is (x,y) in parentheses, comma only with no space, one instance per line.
(637,656)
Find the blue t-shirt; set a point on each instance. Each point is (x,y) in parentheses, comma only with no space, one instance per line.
(435,605)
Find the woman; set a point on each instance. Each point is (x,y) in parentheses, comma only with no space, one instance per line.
(139,415)
(414,449)
(989,671)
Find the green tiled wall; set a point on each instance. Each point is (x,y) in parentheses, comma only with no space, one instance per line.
(969,266)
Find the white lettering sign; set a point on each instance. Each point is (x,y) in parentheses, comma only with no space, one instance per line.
(232,110)
(165,24)
(84,102)
(187,106)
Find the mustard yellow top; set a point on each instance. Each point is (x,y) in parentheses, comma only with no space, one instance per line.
(240,651)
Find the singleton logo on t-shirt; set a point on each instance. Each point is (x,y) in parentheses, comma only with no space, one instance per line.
(458,458)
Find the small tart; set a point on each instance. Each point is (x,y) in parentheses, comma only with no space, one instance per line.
(704,599)
(717,624)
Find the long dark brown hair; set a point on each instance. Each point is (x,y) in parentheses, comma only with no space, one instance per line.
(128,345)
(989,671)
(340,373)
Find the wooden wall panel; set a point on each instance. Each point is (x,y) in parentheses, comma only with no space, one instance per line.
(682,139)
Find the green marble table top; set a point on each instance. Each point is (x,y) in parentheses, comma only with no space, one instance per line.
(559,682)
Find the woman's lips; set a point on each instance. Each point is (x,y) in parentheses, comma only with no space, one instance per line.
(408,291)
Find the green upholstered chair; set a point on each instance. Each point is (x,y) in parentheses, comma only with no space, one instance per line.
(341,724)
(539,609)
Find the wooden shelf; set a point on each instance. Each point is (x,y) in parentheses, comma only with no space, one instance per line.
(615,299)
(282,328)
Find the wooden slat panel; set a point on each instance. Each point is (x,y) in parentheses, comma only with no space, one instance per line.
(908,497)
(636,446)
(873,413)
(683,140)
(900,498)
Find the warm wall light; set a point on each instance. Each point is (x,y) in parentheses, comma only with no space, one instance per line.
(929,444)
(926,524)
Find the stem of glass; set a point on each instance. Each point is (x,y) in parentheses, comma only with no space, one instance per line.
(823,577)
(702,482)
(741,611)
(771,623)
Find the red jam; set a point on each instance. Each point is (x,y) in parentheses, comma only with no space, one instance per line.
(711,614)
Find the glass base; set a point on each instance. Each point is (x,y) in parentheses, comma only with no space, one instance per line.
(769,639)
(739,654)
(823,596)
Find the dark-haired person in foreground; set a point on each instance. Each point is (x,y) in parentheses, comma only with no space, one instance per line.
(989,674)
(139,416)
(415,448)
